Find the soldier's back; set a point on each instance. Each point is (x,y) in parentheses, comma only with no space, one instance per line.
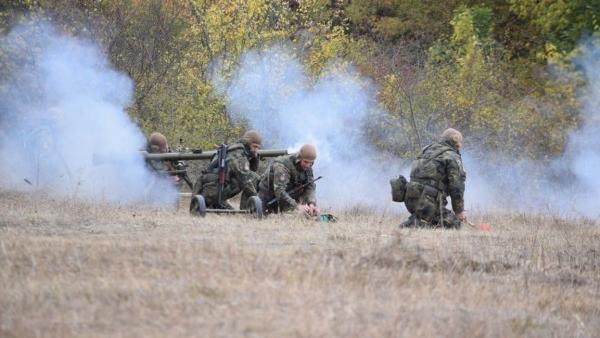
(430,164)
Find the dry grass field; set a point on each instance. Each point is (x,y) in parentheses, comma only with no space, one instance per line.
(71,268)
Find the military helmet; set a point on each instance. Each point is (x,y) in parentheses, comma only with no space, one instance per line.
(453,136)
(252,136)
(157,143)
(307,152)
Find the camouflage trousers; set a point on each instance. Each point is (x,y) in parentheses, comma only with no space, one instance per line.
(427,208)
(207,186)
(449,220)
(274,208)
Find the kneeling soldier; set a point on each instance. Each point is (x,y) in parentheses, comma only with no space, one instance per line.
(240,174)
(157,144)
(436,174)
(287,173)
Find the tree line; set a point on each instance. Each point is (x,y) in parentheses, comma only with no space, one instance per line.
(498,70)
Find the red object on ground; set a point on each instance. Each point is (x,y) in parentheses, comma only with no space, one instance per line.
(485,227)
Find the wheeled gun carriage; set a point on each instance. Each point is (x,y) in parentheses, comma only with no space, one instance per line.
(198,203)
(204,155)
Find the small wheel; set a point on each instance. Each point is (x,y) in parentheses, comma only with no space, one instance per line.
(198,206)
(255,206)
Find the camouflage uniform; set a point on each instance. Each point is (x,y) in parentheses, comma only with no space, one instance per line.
(159,166)
(155,191)
(283,176)
(240,176)
(436,174)
(157,144)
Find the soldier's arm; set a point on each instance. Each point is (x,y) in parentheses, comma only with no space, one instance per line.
(240,169)
(456,183)
(309,191)
(281,178)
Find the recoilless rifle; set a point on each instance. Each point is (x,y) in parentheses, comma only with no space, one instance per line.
(180,169)
(199,154)
(178,157)
(254,204)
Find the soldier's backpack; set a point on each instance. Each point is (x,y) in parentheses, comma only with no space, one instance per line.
(398,188)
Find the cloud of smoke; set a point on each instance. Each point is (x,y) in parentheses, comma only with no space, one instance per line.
(583,151)
(568,185)
(275,95)
(61,103)
(272,92)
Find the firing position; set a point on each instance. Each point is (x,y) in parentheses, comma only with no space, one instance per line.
(289,184)
(221,181)
(436,174)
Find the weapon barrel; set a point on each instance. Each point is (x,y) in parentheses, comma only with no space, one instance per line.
(205,155)
(173,172)
(272,152)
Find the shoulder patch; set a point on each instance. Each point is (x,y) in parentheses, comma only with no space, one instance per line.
(246,166)
(282,178)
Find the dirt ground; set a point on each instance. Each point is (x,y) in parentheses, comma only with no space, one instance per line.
(75,268)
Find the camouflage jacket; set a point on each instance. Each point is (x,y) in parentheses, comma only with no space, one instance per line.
(241,170)
(440,166)
(283,176)
(159,166)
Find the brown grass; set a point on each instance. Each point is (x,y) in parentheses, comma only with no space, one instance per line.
(71,268)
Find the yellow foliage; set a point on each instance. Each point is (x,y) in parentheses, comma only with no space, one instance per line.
(390,28)
(388,93)
(325,48)
(467,80)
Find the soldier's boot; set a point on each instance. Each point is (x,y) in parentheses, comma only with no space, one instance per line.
(213,203)
(411,222)
(244,200)
(450,220)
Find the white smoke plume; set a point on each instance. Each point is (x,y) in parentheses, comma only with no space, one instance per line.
(274,94)
(61,103)
(583,151)
(568,185)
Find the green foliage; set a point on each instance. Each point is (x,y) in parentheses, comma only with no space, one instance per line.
(471,24)
(390,20)
(559,24)
(471,84)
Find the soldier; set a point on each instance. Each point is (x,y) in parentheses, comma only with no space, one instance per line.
(286,173)
(157,143)
(241,176)
(436,174)
(163,178)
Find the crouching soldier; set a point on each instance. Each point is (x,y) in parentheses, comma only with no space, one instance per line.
(157,144)
(436,174)
(287,174)
(241,165)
